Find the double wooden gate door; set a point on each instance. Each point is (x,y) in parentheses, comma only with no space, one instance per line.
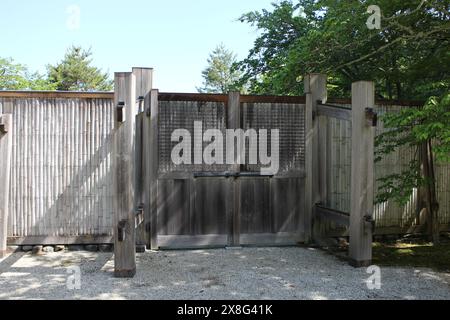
(216,205)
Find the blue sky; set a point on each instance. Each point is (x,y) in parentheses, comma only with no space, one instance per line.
(173,36)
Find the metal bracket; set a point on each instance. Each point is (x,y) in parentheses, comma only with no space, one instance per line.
(371,117)
(369,222)
(120,111)
(121,230)
(140,101)
(139,219)
(3,126)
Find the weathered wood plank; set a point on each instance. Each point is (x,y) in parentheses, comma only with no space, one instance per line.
(6,131)
(336,216)
(362,171)
(144,80)
(210,213)
(315,89)
(334,112)
(152,163)
(192,241)
(123,156)
(234,122)
(56,95)
(62,240)
(270,239)
(255,213)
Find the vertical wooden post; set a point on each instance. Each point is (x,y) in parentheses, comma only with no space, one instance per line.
(144,80)
(5,175)
(234,202)
(315,90)
(362,174)
(123,157)
(151,165)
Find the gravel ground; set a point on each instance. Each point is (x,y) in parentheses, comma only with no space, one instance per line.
(250,273)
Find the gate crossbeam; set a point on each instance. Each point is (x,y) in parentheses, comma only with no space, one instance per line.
(329,110)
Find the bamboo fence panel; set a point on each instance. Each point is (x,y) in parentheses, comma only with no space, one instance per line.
(61,166)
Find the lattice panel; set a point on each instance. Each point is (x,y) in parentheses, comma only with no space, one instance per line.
(181,115)
(290,120)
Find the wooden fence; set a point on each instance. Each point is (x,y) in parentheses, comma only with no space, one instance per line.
(61,169)
(390,217)
(61,179)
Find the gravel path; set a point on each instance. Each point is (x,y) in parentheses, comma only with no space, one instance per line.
(250,273)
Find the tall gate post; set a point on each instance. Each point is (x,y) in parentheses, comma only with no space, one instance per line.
(5,175)
(234,201)
(144,80)
(151,164)
(362,173)
(123,160)
(315,90)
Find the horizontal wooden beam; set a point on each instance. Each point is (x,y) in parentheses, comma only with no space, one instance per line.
(271,239)
(336,112)
(57,94)
(220,241)
(191,175)
(175,176)
(336,216)
(273,99)
(55,240)
(205,97)
(381,102)
(167,96)
(192,242)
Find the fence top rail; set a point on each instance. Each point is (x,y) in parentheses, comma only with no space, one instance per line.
(205,97)
(381,102)
(56,94)
(200,97)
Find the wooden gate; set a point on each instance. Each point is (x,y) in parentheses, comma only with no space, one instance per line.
(201,205)
(220,205)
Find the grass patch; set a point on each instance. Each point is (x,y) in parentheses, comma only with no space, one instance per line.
(412,255)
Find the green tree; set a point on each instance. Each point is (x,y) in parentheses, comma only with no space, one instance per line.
(427,131)
(407,58)
(75,73)
(220,76)
(15,76)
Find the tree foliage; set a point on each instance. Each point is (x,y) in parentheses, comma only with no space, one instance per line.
(75,73)
(220,76)
(407,58)
(15,76)
(412,127)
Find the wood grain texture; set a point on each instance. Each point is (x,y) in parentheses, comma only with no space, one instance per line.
(144,80)
(152,163)
(5,175)
(362,174)
(123,157)
(234,122)
(315,89)
(61,166)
